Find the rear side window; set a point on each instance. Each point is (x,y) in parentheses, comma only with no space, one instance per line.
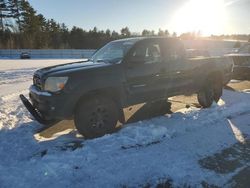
(150,52)
(174,50)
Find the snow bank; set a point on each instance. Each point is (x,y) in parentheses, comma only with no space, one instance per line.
(16,75)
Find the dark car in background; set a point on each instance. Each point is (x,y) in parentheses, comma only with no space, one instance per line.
(202,53)
(241,59)
(24,55)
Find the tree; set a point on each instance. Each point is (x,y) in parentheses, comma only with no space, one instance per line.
(15,10)
(152,32)
(163,33)
(114,34)
(41,36)
(29,25)
(108,33)
(174,34)
(4,14)
(166,33)
(160,32)
(146,32)
(125,32)
(65,36)
(76,37)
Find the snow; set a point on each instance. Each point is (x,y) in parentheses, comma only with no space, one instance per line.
(16,75)
(3,57)
(246,90)
(146,152)
(235,81)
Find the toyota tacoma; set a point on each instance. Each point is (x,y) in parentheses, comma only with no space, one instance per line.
(122,73)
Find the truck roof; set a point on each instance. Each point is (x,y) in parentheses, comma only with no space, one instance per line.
(148,38)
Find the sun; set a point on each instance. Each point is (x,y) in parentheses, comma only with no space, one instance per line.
(206,16)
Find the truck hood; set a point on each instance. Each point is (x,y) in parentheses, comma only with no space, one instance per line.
(69,67)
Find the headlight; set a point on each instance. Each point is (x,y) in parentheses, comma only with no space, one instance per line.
(55,84)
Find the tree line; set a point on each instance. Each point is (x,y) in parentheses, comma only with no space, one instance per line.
(22,27)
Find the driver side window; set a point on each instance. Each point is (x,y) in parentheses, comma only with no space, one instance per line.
(149,53)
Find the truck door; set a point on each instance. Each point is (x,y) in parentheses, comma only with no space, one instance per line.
(143,72)
(178,73)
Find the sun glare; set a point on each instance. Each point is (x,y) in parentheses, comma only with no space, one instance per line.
(206,16)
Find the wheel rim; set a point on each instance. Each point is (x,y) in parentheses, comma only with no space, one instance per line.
(99,118)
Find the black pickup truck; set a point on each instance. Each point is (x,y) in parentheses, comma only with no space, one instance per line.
(122,73)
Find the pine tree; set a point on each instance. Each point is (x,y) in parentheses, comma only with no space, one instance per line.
(15,10)
(146,32)
(4,14)
(108,33)
(125,32)
(2,7)
(160,32)
(31,26)
(166,33)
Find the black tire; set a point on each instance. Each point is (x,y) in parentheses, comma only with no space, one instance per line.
(206,95)
(96,117)
(218,90)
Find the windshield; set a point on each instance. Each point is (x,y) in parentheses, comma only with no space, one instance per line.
(113,52)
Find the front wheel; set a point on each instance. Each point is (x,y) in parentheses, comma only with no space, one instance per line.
(96,117)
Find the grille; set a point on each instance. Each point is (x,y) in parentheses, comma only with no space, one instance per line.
(37,82)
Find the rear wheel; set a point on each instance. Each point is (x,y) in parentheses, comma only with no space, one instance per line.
(96,117)
(211,92)
(206,95)
(218,90)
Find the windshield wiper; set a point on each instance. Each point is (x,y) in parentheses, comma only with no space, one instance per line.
(102,61)
(97,61)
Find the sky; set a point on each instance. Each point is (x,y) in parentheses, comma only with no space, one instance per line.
(207,16)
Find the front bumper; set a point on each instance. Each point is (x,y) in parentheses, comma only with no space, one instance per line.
(35,113)
(46,107)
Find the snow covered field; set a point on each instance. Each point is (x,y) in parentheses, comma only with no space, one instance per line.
(168,150)
(16,75)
